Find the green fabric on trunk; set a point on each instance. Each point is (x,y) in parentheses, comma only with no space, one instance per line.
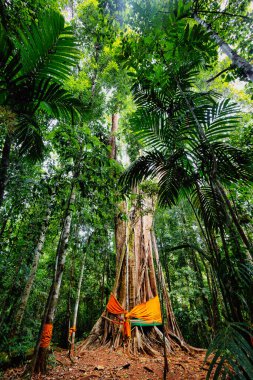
(139,322)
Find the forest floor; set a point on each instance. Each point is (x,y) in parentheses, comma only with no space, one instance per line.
(106,364)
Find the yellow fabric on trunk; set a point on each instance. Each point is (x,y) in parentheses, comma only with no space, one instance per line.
(149,312)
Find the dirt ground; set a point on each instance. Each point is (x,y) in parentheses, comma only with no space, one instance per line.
(107,364)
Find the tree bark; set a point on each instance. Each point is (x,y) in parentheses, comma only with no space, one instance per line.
(41,360)
(135,283)
(112,142)
(236,59)
(135,279)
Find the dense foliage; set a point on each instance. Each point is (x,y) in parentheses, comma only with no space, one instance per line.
(185,124)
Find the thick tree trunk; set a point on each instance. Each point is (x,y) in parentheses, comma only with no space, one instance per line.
(4,165)
(135,280)
(135,283)
(27,290)
(236,59)
(41,360)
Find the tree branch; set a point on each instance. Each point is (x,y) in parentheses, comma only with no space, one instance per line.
(226,14)
(246,18)
(231,67)
(189,245)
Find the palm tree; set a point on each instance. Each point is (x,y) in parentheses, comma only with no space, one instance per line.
(186,135)
(34,64)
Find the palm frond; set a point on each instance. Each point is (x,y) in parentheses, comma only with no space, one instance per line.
(33,67)
(221,120)
(28,137)
(48,49)
(147,166)
(176,182)
(233,355)
(216,118)
(208,204)
(172,173)
(56,101)
(232,163)
(245,274)
(153,129)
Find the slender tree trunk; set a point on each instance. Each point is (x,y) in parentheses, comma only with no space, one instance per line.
(112,143)
(244,238)
(173,327)
(200,280)
(27,290)
(4,165)
(78,293)
(73,327)
(214,249)
(70,298)
(7,303)
(214,297)
(215,302)
(236,59)
(166,266)
(165,358)
(41,360)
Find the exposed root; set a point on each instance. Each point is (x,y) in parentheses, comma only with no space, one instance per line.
(197,349)
(150,342)
(178,341)
(167,342)
(93,338)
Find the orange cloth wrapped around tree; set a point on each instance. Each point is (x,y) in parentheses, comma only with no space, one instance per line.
(127,328)
(71,330)
(149,312)
(46,335)
(114,306)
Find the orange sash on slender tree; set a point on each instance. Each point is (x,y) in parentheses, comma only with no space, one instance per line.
(46,335)
(71,330)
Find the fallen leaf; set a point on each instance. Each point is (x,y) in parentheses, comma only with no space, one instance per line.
(99,367)
(125,366)
(148,369)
